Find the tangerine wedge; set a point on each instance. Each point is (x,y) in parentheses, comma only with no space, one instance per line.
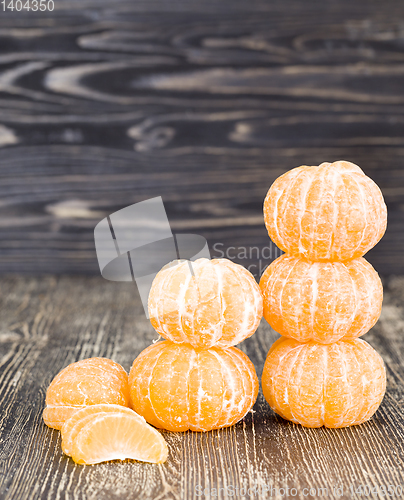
(335,385)
(180,387)
(205,303)
(117,436)
(321,301)
(87,382)
(79,419)
(332,212)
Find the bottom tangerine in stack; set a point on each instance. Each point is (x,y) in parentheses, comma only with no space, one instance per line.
(335,385)
(179,387)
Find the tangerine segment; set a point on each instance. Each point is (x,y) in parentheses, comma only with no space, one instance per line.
(87,382)
(330,212)
(76,422)
(117,436)
(335,385)
(179,387)
(205,303)
(321,301)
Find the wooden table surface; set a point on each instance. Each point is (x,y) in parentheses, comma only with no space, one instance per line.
(49,322)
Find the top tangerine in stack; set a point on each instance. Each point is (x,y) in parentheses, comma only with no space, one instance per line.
(325,218)
(332,212)
(206,303)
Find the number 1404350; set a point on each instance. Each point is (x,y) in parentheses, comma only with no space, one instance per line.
(28,5)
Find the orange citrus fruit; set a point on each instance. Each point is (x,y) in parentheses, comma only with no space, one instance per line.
(87,382)
(99,433)
(73,425)
(335,385)
(205,303)
(179,387)
(331,212)
(321,301)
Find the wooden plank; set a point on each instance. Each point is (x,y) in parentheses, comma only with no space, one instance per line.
(48,322)
(203,103)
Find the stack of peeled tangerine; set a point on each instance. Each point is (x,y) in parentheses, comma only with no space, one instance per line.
(320,296)
(195,380)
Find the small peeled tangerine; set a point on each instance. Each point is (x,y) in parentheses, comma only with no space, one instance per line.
(205,303)
(99,433)
(180,388)
(87,382)
(332,212)
(321,301)
(335,385)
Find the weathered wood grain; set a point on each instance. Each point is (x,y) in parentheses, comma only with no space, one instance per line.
(47,322)
(103,104)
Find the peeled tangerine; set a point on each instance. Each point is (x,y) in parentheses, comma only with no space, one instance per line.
(205,303)
(98,433)
(321,301)
(312,384)
(179,387)
(330,212)
(87,382)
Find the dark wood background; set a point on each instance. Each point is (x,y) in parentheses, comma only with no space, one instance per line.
(107,103)
(103,104)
